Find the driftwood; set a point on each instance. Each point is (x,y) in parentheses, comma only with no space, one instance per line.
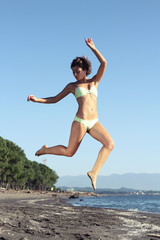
(153,235)
(75,195)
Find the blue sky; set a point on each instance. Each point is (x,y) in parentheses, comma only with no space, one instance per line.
(40,38)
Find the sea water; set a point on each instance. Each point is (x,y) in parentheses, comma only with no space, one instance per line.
(143,203)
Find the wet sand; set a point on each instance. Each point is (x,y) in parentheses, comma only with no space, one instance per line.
(29,216)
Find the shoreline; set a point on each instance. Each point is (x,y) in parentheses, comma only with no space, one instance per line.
(46,215)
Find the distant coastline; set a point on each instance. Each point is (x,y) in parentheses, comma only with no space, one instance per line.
(118,192)
(138,181)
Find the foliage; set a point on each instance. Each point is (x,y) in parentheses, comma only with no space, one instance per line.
(17,172)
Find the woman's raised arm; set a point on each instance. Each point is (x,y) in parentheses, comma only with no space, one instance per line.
(102,60)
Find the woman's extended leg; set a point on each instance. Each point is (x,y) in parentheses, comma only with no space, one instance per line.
(100,133)
(78,131)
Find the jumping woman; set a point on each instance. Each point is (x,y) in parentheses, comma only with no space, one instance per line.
(86,119)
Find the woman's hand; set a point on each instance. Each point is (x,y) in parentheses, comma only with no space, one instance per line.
(90,43)
(32,98)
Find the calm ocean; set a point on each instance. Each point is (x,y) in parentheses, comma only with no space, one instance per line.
(142,203)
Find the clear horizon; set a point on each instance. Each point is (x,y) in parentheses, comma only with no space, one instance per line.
(140,181)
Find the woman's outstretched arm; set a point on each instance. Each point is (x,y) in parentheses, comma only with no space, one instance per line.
(54,99)
(102,60)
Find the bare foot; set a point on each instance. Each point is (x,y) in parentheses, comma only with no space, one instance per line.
(93,179)
(41,151)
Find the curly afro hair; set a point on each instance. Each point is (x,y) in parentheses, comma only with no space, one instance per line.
(82,62)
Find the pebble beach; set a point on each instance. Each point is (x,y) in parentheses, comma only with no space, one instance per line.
(47,215)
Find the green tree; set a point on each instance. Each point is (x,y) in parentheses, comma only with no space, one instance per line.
(4,152)
(16,171)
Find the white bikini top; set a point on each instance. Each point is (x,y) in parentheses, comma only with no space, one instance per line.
(81,91)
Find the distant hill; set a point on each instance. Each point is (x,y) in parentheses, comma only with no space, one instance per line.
(139,181)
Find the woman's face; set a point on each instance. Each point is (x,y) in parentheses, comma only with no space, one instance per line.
(79,73)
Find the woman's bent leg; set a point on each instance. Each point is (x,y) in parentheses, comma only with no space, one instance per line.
(100,133)
(56,150)
(78,131)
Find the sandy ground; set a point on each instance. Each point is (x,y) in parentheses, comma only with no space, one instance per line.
(29,216)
